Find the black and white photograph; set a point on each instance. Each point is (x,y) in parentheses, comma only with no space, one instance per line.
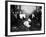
(25,18)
